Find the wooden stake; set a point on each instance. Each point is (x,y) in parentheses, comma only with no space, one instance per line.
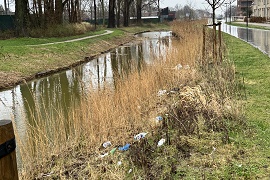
(8,163)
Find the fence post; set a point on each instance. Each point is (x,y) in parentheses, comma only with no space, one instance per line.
(8,163)
(215,43)
(203,49)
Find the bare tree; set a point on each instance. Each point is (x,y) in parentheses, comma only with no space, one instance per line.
(214,5)
(111,22)
(103,12)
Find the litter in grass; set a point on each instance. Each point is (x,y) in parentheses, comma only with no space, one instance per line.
(124,148)
(161,142)
(119,163)
(113,151)
(159,118)
(140,136)
(178,67)
(162,92)
(107,144)
(103,155)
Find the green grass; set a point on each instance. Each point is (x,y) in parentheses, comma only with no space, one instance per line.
(35,41)
(15,56)
(254,67)
(249,25)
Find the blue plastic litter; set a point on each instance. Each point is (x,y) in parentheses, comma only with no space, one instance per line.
(159,118)
(124,148)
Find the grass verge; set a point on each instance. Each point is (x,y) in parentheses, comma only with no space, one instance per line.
(252,67)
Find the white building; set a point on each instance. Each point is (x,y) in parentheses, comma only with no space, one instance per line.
(261,8)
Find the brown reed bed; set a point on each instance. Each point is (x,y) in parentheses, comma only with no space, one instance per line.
(195,116)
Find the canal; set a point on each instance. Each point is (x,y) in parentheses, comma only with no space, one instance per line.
(62,91)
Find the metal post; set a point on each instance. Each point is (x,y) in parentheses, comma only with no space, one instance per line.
(247,20)
(219,38)
(265,11)
(226,12)
(230,12)
(8,163)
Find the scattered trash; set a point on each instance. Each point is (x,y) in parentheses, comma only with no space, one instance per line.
(162,92)
(140,136)
(119,163)
(161,142)
(174,90)
(113,151)
(239,165)
(46,175)
(103,155)
(129,171)
(107,144)
(186,67)
(124,148)
(178,67)
(214,149)
(159,118)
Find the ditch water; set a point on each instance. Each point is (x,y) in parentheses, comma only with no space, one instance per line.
(63,89)
(256,37)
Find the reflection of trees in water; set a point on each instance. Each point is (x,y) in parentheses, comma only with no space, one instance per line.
(58,94)
(49,97)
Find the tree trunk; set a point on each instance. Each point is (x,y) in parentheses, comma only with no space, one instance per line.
(95,13)
(22,17)
(118,13)
(214,15)
(103,12)
(126,13)
(111,23)
(58,11)
(5,4)
(139,11)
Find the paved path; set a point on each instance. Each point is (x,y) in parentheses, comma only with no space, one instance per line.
(73,40)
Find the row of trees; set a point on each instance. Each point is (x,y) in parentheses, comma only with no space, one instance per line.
(44,13)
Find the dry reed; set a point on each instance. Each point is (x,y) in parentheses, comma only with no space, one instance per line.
(117,115)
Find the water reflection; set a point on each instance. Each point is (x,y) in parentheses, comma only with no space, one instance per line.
(60,92)
(256,37)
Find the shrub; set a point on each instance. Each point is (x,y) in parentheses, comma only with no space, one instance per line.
(62,30)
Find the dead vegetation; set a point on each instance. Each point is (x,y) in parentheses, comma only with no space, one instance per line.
(193,103)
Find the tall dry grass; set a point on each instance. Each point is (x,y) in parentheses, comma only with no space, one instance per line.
(117,115)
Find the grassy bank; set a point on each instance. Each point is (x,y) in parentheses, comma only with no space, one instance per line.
(252,67)
(19,61)
(202,123)
(258,26)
